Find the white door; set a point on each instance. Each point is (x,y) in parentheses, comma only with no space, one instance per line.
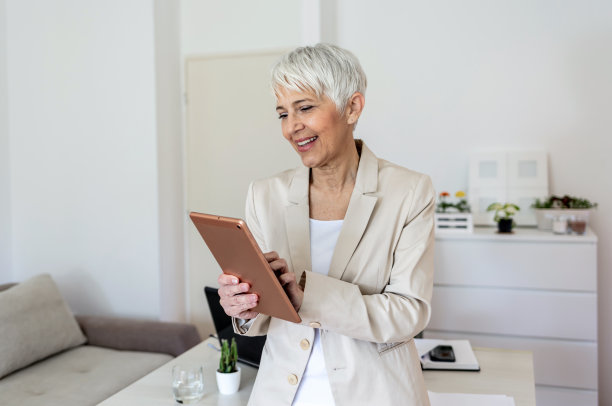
(233,137)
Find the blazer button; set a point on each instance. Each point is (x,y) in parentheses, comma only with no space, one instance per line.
(315,324)
(305,344)
(292,379)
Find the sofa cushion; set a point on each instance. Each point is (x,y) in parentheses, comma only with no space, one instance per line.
(36,323)
(82,376)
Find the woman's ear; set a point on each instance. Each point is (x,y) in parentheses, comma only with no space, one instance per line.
(354,107)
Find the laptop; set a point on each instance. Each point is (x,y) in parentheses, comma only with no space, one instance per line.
(249,348)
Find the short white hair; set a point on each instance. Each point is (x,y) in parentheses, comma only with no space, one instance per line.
(323,69)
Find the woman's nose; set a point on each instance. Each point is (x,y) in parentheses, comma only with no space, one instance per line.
(294,124)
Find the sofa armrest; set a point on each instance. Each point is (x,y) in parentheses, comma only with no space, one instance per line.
(6,286)
(139,335)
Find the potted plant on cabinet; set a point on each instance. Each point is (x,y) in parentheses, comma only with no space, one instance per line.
(228,375)
(504,213)
(574,209)
(453,216)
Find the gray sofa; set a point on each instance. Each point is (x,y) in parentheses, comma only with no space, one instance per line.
(50,357)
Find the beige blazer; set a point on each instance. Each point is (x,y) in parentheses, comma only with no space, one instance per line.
(374,301)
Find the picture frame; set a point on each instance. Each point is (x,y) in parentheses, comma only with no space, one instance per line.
(517,177)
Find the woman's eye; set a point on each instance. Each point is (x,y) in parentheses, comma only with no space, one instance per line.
(282,115)
(305,108)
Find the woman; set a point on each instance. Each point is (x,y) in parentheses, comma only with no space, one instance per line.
(352,239)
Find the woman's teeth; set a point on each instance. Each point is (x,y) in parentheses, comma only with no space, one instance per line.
(302,143)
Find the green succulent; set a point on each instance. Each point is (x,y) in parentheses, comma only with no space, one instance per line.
(229,356)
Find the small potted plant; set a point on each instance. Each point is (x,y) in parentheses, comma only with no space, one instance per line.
(443,204)
(503,215)
(228,375)
(575,209)
(453,217)
(462,205)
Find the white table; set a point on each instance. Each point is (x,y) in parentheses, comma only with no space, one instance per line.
(502,372)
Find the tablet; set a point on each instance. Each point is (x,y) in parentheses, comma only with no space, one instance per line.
(238,254)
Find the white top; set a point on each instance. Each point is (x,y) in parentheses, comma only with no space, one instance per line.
(314,389)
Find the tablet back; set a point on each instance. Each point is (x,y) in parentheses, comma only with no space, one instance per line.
(238,254)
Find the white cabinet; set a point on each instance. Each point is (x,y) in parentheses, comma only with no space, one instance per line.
(530,290)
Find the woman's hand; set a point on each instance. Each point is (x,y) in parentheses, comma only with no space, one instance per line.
(233,297)
(286,279)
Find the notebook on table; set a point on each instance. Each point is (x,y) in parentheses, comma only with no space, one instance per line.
(465,359)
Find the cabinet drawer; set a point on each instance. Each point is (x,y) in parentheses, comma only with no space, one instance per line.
(515,312)
(550,396)
(559,266)
(556,362)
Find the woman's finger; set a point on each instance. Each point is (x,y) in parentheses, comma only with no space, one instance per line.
(225,279)
(279,265)
(242,307)
(295,293)
(238,300)
(233,290)
(238,304)
(287,278)
(271,256)
(233,297)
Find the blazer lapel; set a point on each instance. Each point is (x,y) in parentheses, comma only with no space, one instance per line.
(297,214)
(362,203)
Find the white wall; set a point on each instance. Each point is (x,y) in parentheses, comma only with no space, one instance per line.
(84,180)
(447,78)
(170,159)
(213,28)
(5,201)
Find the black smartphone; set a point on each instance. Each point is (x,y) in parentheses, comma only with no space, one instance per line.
(442,353)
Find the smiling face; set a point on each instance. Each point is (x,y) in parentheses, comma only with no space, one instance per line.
(313,126)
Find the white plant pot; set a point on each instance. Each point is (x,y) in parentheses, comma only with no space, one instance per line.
(228,383)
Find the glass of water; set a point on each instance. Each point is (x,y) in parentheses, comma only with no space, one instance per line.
(187,383)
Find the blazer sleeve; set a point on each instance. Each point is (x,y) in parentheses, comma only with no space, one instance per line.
(259,325)
(403,308)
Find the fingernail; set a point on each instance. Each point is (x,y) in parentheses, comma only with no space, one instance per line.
(235,281)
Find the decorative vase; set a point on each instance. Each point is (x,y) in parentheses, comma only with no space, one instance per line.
(228,383)
(504,225)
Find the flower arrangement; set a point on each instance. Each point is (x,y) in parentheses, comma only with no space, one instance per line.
(564,202)
(453,216)
(460,205)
